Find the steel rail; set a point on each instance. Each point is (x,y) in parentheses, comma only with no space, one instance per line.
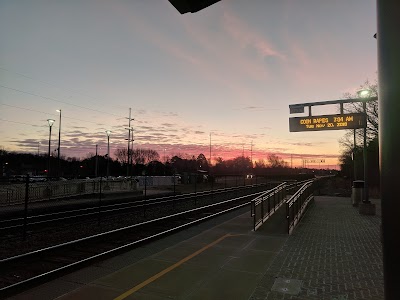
(96,256)
(120,206)
(121,229)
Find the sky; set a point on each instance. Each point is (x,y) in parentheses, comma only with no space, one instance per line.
(228,72)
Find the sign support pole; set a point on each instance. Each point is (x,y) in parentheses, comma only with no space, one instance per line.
(366,196)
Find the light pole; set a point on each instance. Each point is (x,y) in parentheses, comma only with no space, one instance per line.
(50,122)
(108,152)
(38,148)
(365,95)
(354,154)
(59,141)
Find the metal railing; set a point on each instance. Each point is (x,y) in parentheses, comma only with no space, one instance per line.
(266,204)
(297,204)
(293,187)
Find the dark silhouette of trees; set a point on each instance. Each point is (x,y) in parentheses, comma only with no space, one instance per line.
(276,162)
(121,155)
(144,156)
(202,163)
(347,141)
(155,168)
(238,165)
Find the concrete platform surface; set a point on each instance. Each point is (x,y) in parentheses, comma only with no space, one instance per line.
(334,253)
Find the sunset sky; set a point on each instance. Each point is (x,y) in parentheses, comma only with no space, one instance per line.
(230,70)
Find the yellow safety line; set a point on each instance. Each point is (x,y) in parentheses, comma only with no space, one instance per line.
(165,271)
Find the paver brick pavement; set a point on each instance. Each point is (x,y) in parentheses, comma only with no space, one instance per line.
(334,253)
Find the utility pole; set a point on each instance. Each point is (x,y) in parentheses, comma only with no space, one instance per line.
(251,153)
(97,164)
(131,148)
(129,142)
(210,149)
(291,161)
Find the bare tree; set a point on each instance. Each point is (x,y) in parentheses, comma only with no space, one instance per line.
(260,163)
(122,155)
(372,116)
(276,162)
(144,156)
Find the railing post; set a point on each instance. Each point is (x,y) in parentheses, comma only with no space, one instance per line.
(212,189)
(100,195)
(145,186)
(174,185)
(287,217)
(262,210)
(279,196)
(195,191)
(254,217)
(26,204)
(236,189)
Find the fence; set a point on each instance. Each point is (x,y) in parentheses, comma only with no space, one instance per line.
(29,216)
(43,188)
(266,204)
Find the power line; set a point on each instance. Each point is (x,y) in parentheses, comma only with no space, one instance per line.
(52,84)
(24,108)
(56,100)
(22,123)
(42,112)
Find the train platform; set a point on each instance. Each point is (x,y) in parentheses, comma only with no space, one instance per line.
(334,253)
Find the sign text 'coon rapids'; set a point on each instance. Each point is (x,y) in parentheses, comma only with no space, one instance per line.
(327,122)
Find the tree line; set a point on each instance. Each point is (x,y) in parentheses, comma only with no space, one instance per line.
(139,161)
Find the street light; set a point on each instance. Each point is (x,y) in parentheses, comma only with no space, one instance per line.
(59,141)
(50,122)
(108,152)
(365,94)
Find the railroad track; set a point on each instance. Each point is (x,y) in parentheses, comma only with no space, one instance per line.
(13,226)
(21,270)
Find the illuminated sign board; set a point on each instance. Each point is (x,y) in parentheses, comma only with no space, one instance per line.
(327,122)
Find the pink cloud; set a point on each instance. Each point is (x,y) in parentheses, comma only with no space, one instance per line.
(247,36)
(223,52)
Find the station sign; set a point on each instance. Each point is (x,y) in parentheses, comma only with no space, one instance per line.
(314,161)
(327,122)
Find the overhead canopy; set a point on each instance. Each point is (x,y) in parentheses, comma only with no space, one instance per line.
(192,6)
